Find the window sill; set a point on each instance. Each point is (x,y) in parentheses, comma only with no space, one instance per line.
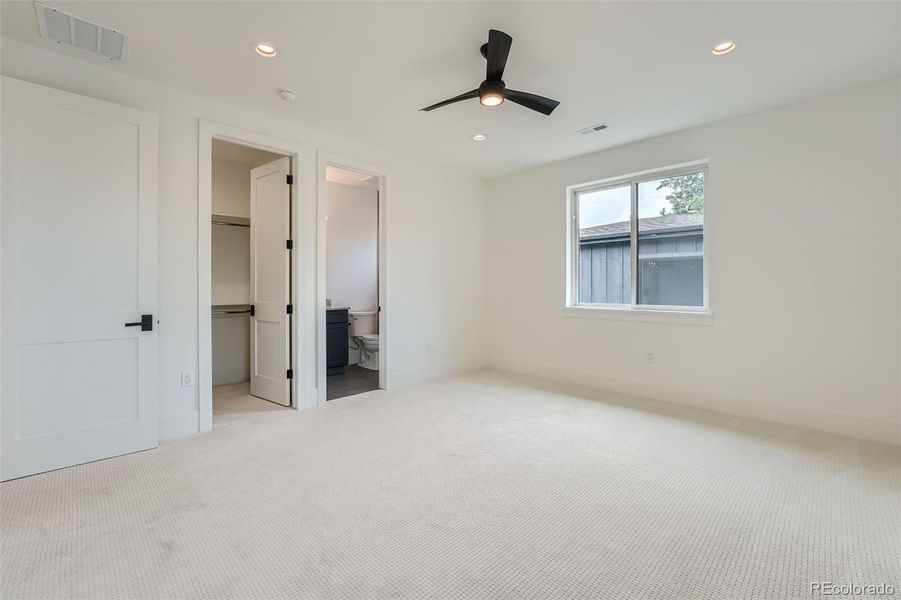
(647,315)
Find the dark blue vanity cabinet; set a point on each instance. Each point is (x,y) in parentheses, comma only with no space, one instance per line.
(336,332)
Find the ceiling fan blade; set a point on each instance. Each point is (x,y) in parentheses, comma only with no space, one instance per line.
(466,96)
(498,49)
(540,103)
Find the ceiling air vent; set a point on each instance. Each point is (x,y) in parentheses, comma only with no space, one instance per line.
(593,129)
(65,29)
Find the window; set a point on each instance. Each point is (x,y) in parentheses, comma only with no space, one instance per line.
(638,242)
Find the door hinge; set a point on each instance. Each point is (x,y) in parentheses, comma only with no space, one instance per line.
(290,309)
(289,244)
(290,373)
(290,179)
(253,311)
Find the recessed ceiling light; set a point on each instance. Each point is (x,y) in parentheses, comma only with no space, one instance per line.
(724,47)
(265,49)
(479,137)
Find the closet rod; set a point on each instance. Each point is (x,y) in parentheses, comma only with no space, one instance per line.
(232,224)
(217,313)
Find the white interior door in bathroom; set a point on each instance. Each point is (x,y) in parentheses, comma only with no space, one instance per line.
(270,228)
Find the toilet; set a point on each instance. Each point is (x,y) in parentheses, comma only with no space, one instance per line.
(364,328)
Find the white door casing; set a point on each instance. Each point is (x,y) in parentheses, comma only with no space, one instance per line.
(270,228)
(79,248)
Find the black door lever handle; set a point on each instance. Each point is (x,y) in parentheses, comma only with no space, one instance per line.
(146,323)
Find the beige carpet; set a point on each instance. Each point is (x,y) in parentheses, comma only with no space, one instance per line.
(481,486)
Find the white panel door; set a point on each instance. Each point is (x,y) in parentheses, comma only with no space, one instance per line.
(78,263)
(270,228)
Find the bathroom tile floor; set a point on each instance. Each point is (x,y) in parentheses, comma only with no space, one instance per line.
(355,380)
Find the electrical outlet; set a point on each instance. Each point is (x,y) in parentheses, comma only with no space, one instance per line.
(429,346)
(187,379)
(650,357)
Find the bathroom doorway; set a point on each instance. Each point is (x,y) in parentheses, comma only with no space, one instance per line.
(354,341)
(250,279)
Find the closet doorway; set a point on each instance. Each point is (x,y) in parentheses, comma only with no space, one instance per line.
(250,279)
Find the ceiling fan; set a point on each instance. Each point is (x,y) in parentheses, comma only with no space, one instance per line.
(493,91)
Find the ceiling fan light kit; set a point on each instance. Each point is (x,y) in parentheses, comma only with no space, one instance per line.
(493,91)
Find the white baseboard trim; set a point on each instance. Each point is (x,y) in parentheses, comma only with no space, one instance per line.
(179,425)
(858,426)
(436,371)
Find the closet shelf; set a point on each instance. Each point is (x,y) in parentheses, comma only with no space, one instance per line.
(219,310)
(219,313)
(229,220)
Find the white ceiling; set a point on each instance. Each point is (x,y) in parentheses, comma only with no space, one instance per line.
(364,69)
(245,155)
(337,175)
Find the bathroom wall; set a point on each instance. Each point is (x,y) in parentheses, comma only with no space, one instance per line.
(352,246)
(352,250)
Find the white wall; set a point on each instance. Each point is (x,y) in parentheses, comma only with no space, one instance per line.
(231,349)
(434,217)
(805,330)
(231,188)
(230,284)
(352,246)
(352,251)
(803,219)
(230,275)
